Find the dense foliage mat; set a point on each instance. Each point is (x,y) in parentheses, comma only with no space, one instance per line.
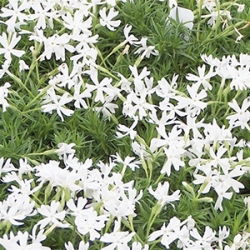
(124,124)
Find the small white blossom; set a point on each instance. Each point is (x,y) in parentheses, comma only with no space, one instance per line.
(55,102)
(4,91)
(106,19)
(161,194)
(9,44)
(54,215)
(65,149)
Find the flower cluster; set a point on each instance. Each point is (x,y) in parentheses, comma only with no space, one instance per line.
(222,14)
(187,126)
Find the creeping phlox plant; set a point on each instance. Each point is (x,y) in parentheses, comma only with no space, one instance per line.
(101,147)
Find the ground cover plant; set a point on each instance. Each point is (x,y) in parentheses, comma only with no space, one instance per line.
(124,124)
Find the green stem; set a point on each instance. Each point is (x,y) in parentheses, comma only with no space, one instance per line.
(150,168)
(107,72)
(38,96)
(130,219)
(49,230)
(161,176)
(19,82)
(37,50)
(248,214)
(154,213)
(119,46)
(199,20)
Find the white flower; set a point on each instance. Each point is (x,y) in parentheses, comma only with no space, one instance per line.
(118,239)
(111,2)
(161,194)
(223,234)
(194,104)
(131,39)
(21,241)
(208,4)
(214,133)
(205,241)
(106,19)
(140,80)
(24,167)
(57,176)
(222,193)
(54,45)
(82,246)
(202,78)
(107,109)
(6,166)
(218,175)
(55,102)
(241,7)
(43,14)
(138,246)
(127,162)
(89,222)
(241,241)
(137,106)
(54,215)
(5,68)
(121,199)
(124,131)
(4,91)
(173,146)
(76,24)
(168,233)
(165,89)
(224,15)
(196,97)
(77,209)
(65,78)
(173,155)
(217,160)
(24,188)
(240,78)
(23,66)
(9,44)
(16,208)
(80,96)
(175,230)
(242,116)
(65,149)
(15,12)
(146,50)
(104,87)
(140,150)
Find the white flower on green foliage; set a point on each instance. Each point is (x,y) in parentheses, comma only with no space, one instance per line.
(22,240)
(117,239)
(55,102)
(8,44)
(4,91)
(54,215)
(106,18)
(161,194)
